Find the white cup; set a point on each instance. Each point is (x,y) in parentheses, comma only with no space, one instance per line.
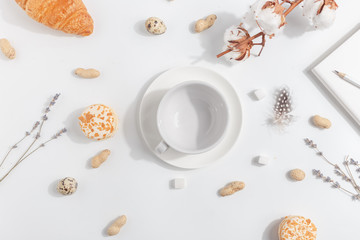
(192,118)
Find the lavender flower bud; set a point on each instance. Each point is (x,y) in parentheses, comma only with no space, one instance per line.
(356,197)
(353,162)
(35,125)
(56,96)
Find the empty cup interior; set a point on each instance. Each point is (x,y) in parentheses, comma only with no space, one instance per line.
(192,117)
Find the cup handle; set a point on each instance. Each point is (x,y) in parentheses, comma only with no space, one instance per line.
(161,147)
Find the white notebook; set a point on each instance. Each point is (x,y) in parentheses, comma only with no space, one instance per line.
(346,59)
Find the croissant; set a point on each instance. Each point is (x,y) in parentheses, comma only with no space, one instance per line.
(69,16)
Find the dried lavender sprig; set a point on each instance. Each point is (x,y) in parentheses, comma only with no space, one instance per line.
(37,123)
(58,134)
(55,136)
(48,108)
(343,176)
(356,197)
(346,163)
(44,117)
(334,184)
(313,145)
(355,163)
(37,136)
(27,133)
(348,178)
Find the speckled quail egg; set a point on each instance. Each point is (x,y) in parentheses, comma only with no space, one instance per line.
(155,26)
(67,186)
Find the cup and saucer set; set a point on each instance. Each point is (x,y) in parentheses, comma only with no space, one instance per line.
(190,117)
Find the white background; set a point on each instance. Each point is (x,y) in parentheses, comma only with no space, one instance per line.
(132,181)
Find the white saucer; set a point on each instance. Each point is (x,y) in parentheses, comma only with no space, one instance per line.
(148,110)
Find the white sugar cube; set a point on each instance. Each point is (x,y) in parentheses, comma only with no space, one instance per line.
(179,183)
(259,94)
(263,160)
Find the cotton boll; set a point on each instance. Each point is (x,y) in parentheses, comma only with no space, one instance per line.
(321,13)
(269,21)
(311,7)
(325,19)
(249,21)
(233,33)
(269,15)
(258,5)
(232,36)
(232,56)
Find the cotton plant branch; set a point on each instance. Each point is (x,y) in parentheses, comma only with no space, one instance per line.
(346,174)
(270,17)
(247,43)
(29,150)
(293,5)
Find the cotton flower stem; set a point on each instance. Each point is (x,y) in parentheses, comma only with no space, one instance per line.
(292,6)
(262,44)
(223,53)
(241,43)
(286,1)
